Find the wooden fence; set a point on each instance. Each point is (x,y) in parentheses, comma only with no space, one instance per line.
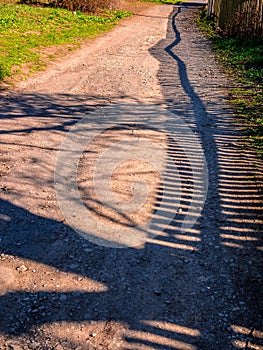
(238,17)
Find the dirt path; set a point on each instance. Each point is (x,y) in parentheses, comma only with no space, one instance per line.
(189,280)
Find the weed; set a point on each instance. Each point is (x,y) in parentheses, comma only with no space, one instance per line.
(242,58)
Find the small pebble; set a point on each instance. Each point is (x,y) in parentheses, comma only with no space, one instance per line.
(87,250)
(22,268)
(157,292)
(236,308)
(73,266)
(63,297)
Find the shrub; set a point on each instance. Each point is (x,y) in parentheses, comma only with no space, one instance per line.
(91,6)
(86,5)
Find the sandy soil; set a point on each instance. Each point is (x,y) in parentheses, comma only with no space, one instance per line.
(196,282)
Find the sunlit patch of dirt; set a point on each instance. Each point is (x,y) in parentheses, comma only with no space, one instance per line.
(122,179)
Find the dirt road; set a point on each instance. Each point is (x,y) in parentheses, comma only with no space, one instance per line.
(81,269)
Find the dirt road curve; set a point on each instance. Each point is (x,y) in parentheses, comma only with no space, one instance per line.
(189,280)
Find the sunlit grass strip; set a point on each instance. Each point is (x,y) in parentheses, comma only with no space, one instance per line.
(25,31)
(243,60)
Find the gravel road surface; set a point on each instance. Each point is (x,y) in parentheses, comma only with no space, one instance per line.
(141,230)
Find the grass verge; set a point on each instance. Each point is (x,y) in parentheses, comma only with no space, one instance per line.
(243,60)
(26,32)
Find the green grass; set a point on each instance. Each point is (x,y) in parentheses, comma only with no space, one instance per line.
(243,60)
(26,31)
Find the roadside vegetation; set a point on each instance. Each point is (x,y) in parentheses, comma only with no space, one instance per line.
(168,2)
(30,36)
(242,58)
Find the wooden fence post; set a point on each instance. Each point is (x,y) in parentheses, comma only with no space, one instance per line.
(244,17)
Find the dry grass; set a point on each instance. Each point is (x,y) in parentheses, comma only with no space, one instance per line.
(90,6)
